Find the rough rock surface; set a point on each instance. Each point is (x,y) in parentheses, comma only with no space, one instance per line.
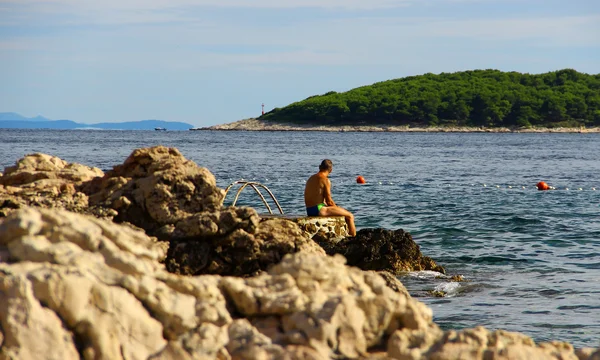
(380,249)
(154,189)
(45,181)
(160,191)
(318,228)
(99,289)
(480,343)
(76,287)
(234,242)
(172,198)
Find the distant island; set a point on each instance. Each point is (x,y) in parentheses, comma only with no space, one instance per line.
(479,100)
(10,120)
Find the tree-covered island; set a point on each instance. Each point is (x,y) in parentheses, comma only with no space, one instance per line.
(479,98)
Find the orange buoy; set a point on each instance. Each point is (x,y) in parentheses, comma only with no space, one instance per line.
(361,180)
(542,186)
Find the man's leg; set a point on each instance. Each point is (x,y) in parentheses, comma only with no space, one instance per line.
(337,211)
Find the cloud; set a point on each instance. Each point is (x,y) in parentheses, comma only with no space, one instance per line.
(558,30)
(184,40)
(169,4)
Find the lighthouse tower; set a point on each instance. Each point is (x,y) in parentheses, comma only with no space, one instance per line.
(263,109)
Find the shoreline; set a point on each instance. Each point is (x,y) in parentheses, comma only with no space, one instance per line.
(263,125)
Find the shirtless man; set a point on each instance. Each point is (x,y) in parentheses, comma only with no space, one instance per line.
(317,197)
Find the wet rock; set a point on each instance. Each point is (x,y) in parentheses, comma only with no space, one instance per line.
(380,249)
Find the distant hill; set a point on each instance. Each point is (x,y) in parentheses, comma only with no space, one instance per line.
(479,98)
(9,120)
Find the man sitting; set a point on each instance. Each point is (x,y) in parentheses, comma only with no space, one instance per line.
(317,197)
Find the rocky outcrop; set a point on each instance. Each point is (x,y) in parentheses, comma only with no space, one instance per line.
(270,125)
(380,249)
(320,228)
(37,167)
(45,181)
(480,343)
(99,289)
(158,190)
(76,286)
(172,198)
(154,189)
(234,242)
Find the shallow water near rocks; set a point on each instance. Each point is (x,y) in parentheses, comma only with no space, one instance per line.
(531,259)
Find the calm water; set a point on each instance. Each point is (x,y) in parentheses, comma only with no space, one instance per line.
(532,258)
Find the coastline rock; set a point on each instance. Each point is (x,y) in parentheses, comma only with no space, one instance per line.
(160,191)
(155,187)
(321,229)
(32,168)
(267,125)
(392,281)
(233,242)
(45,181)
(480,343)
(76,286)
(105,295)
(381,249)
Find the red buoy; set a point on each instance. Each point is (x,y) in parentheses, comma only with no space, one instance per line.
(360,180)
(542,186)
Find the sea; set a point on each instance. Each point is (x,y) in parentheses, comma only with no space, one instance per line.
(530,259)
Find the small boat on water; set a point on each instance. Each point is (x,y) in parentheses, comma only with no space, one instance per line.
(160,129)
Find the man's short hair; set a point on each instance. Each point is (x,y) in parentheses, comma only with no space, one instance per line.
(326,165)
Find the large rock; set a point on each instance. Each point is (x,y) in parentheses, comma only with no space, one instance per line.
(160,191)
(76,286)
(35,167)
(381,249)
(318,228)
(154,189)
(45,181)
(234,242)
(480,343)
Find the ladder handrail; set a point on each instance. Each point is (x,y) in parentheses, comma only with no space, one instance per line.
(253,185)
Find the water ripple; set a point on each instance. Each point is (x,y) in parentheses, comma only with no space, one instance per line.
(469,200)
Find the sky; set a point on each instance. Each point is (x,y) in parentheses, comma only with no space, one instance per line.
(208,62)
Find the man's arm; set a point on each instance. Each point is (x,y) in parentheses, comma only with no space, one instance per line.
(328,200)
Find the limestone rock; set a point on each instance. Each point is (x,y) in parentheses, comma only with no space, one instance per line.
(155,187)
(348,310)
(45,181)
(380,249)
(480,343)
(233,242)
(329,229)
(31,330)
(74,286)
(392,282)
(38,166)
(106,296)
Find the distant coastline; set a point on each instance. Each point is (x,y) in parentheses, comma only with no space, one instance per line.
(265,125)
(16,121)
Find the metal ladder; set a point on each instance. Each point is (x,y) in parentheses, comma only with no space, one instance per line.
(255,186)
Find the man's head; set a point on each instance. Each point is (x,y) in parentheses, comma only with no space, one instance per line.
(326,165)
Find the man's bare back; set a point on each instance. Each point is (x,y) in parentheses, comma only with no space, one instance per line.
(315,190)
(317,197)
